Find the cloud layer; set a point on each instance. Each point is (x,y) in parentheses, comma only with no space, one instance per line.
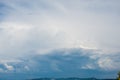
(44,25)
(74,62)
(28,27)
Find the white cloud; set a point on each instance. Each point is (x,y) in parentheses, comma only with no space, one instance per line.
(9,67)
(88,66)
(109,62)
(14,65)
(27,68)
(42,26)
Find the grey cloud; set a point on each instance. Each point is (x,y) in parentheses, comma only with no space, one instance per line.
(77,62)
(43,26)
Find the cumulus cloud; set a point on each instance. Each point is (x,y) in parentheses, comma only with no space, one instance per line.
(13,66)
(109,62)
(9,67)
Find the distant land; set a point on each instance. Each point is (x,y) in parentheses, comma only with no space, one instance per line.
(72,78)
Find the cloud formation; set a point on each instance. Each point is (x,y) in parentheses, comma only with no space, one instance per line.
(39,27)
(33,25)
(64,63)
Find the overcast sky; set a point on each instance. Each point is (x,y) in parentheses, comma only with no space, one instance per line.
(28,27)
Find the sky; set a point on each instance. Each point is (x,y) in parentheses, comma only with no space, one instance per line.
(46,37)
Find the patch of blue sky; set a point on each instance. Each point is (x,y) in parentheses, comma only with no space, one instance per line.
(33,6)
(4,10)
(1,11)
(106,7)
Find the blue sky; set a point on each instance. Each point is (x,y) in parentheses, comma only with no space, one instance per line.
(86,32)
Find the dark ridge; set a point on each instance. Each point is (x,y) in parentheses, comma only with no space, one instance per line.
(69,79)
